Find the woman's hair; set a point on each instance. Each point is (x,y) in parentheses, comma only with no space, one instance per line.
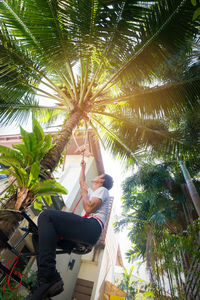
(108,181)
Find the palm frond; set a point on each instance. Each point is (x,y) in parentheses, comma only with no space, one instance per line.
(48,187)
(127,136)
(97,133)
(18,20)
(105,131)
(37,23)
(15,60)
(170,99)
(12,113)
(49,115)
(167,99)
(166,30)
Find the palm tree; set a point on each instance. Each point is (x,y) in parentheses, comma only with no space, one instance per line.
(123,51)
(191,187)
(128,285)
(153,209)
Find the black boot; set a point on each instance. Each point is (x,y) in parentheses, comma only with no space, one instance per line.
(44,289)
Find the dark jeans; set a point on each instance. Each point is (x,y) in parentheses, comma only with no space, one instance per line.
(67,225)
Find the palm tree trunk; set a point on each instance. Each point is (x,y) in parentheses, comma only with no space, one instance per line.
(188,203)
(167,262)
(170,284)
(158,277)
(178,269)
(51,159)
(163,279)
(149,254)
(177,282)
(191,187)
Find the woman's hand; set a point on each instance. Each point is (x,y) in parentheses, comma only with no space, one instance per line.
(84,194)
(82,174)
(85,186)
(83,164)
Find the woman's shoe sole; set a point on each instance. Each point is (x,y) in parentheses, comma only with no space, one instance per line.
(55,289)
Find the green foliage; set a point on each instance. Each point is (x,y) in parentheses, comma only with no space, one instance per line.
(187,241)
(194,2)
(35,146)
(48,187)
(149,203)
(10,294)
(196,14)
(9,192)
(145,296)
(157,213)
(38,204)
(24,162)
(128,285)
(132,287)
(197,11)
(28,276)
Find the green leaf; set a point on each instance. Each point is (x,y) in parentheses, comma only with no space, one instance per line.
(43,150)
(10,161)
(20,147)
(34,172)
(48,187)
(8,152)
(26,138)
(27,156)
(194,2)
(196,14)
(18,177)
(5,171)
(149,293)
(37,130)
(37,205)
(33,143)
(21,176)
(48,199)
(30,178)
(29,140)
(48,139)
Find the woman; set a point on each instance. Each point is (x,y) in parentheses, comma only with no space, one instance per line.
(71,227)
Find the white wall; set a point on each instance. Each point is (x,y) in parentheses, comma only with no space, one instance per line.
(108,261)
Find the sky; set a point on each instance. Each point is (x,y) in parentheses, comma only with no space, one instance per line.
(115,169)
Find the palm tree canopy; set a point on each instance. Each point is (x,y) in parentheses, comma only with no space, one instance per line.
(101,59)
(157,201)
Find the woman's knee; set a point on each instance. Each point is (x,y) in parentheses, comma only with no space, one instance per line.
(45,214)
